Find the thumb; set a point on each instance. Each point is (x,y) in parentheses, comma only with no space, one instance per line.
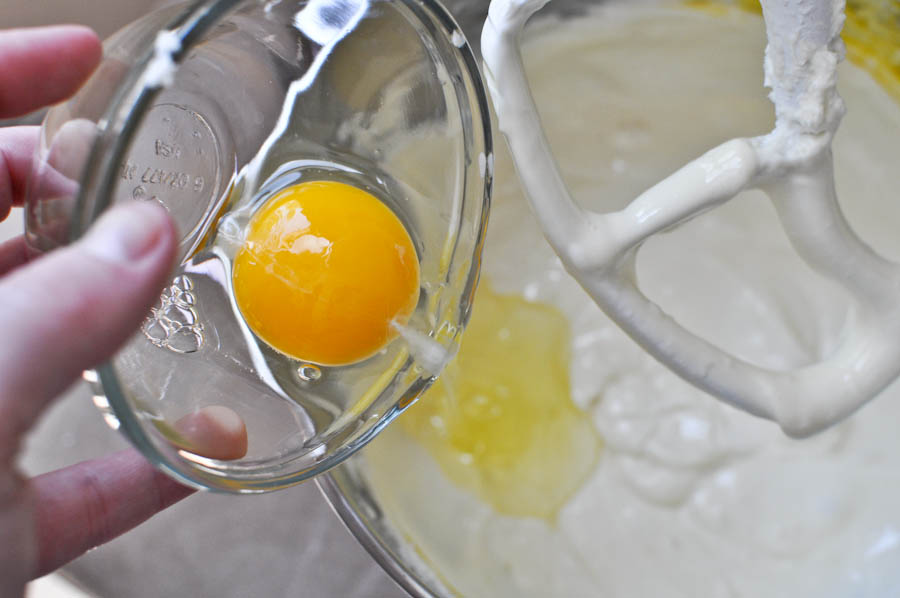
(72,309)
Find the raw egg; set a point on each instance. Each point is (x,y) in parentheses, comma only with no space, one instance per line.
(501,421)
(324,270)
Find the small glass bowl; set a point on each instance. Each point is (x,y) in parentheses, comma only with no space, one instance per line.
(210,107)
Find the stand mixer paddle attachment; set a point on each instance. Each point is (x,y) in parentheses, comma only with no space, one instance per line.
(792,165)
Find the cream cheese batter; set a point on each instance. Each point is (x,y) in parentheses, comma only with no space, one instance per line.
(792,164)
(689,497)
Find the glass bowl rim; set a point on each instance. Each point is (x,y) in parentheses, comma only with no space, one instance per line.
(353,521)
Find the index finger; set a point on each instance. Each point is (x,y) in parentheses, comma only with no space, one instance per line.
(45,65)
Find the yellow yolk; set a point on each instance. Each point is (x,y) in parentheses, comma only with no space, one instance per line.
(324,270)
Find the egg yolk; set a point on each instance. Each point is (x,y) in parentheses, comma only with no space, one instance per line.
(324,270)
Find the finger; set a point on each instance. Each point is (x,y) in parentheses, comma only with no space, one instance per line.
(71,309)
(69,151)
(216,432)
(52,181)
(13,253)
(43,66)
(86,505)
(17,145)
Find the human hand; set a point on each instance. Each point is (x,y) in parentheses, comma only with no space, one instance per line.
(65,312)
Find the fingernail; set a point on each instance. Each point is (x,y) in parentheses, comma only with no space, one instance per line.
(127,232)
(216,432)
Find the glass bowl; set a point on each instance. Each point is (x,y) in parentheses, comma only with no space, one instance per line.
(399,500)
(211,107)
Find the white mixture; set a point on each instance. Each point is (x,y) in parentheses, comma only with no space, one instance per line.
(691,498)
(792,164)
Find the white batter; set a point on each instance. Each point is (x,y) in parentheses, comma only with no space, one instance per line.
(792,164)
(691,498)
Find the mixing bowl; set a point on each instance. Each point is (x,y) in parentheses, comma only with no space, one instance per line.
(210,108)
(440,534)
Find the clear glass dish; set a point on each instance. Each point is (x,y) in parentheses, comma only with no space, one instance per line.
(210,108)
(399,534)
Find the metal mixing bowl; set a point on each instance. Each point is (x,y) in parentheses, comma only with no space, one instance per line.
(348,488)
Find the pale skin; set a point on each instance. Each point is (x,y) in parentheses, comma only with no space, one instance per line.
(69,311)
